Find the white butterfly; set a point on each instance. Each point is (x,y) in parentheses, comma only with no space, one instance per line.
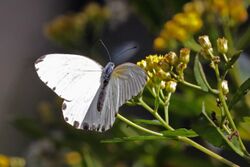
(92,94)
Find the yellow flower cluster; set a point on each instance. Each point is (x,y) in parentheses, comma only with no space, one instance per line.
(232,9)
(6,161)
(160,68)
(181,26)
(70,29)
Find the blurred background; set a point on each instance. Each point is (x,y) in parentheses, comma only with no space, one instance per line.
(32,130)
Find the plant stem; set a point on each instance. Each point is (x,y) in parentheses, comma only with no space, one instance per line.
(183,139)
(166,106)
(155,114)
(190,84)
(224,105)
(197,87)
(207,151)
(137,126)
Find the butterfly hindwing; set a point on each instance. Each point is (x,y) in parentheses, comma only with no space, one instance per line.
(126,81)
(129,80)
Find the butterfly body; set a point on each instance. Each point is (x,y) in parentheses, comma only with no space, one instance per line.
(92,94)
(106,73)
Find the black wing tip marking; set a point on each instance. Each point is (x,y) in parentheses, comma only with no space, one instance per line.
(40,59)
(64,106)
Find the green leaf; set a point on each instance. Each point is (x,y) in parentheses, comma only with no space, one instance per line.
(180,132)
(208,132)
(133,138)
(148,122)
(244,128)
(234,58)
(207,129)
(200,75)
(243,89)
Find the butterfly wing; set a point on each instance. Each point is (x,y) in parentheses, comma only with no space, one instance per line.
(129,80)
(74,78)
(126,81)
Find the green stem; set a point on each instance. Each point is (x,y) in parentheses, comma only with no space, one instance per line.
(224,105)
(207,151)
(225,57)
(137,126)
(166,106)
(198,87)
(185,139)
(190,84)
(155,114)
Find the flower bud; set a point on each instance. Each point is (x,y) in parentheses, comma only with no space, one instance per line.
(180,67)
(205,42)
(184,55)
(224,86)
(171,58)
(162,84)
(171,86)
(222,45)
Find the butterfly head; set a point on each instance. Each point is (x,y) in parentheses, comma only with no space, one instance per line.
(107,71)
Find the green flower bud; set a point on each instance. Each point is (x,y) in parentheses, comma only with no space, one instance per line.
(222,45)
(184,55)
(164,75)
(205,42)
(171,86)
(180,67)
(162,84)
(224,86)
(171,58)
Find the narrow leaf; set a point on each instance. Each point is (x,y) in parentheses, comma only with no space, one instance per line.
(180,132)
(243,89)
(200,75)
(234,58)
(133,138)
(148,122)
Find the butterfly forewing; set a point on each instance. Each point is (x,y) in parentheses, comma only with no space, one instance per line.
(74,78)
(67,74)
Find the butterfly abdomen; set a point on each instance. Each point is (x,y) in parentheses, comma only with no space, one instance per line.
(106,73)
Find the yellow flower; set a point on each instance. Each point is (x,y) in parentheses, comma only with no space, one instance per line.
(176,31)
(159,43)
(237,10)
(232,9)
(73,158)
(4,161)
(197,6)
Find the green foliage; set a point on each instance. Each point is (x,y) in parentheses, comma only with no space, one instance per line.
(179,132)
(156,140)
(200,75)
(243,90)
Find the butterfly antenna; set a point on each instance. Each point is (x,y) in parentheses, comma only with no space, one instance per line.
(106,49)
